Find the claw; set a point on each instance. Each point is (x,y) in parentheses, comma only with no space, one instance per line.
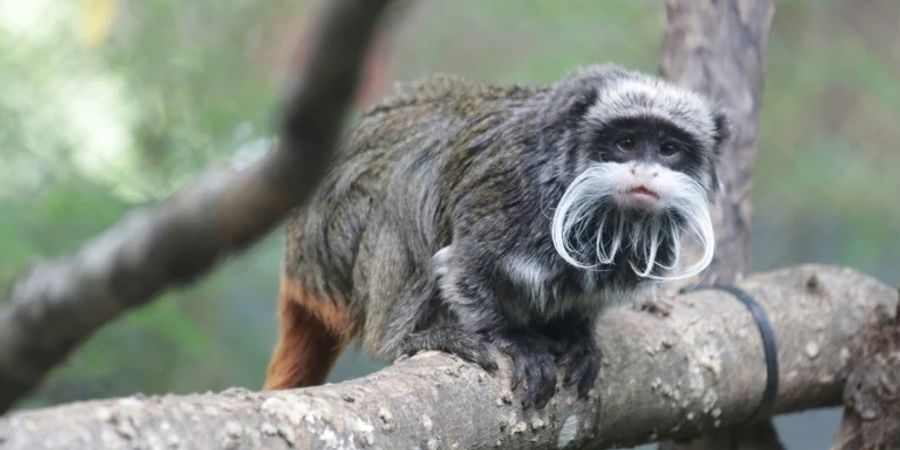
(534,366)
(588,379)
(519,373)
(548,384)
(488,364)
(582,363)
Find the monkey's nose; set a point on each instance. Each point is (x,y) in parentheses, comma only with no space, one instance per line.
(644,171)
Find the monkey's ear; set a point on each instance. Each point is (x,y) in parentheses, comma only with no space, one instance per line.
(721,130)
(573,96)
(567,106)
(581,102)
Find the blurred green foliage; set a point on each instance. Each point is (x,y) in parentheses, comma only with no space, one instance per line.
(102,110)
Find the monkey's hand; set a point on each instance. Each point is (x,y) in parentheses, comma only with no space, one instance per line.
(470,346)
(534,363)
(581,359)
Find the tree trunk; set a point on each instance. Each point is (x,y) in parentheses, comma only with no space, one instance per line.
(871,410)
(718,47)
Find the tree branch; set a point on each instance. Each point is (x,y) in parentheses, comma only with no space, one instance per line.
(699,368)
(57,304)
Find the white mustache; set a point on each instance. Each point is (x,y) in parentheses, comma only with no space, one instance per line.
(592,192)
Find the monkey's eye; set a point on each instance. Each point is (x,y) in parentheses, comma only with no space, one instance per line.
(668,149)
(625,144)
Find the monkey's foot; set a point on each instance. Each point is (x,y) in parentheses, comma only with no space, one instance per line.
(472,347)
(581,359)
(533,363)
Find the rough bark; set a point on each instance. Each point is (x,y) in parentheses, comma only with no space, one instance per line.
(698,368)
(57,304)
(872,412)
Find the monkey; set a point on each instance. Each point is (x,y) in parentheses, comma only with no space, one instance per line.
(473,219)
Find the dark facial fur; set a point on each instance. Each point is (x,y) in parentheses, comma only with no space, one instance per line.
(461,213)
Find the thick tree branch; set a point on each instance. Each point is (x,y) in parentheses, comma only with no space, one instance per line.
(57,304)
(698,368)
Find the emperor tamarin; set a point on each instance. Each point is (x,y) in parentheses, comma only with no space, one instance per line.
(463,217)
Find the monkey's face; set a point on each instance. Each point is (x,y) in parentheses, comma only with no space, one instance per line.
(651,162)
(644,183)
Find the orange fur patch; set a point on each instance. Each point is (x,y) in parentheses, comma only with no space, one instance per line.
(313,331)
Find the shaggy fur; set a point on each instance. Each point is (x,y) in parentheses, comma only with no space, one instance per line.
(463,217)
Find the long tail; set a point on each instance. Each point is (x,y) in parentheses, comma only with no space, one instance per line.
(313,331)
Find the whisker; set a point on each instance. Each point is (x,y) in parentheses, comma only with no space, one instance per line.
(587,209)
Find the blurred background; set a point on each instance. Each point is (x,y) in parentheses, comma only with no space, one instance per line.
(110,104)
